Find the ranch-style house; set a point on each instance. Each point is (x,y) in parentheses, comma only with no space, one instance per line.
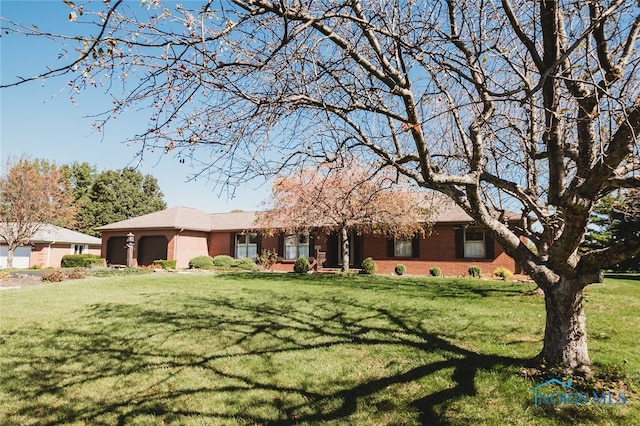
(182,233)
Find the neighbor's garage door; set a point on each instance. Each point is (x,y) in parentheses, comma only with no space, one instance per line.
(20,257)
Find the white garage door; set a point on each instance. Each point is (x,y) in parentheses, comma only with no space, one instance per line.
(20,257)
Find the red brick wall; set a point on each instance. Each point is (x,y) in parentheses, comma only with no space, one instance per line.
(437,249)
(50,255)
(269,242)
(187,245)
(220,243)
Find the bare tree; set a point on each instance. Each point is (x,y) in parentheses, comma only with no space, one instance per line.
(32,193)
(532,106)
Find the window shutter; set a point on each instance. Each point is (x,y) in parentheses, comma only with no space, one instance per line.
(281,244)
(232,249)
(459,239)
(332,249)
(489,248)
(357,250)
(258,244)
(391,248)
(415,246)
(312,243)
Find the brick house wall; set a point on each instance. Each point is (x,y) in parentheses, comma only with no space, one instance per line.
(50,255)
(437,249)
(220,243)
(186,245)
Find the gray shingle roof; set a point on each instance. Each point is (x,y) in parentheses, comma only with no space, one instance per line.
(173,218)
(187,218)
(48,233)
(444,210)
(236,221)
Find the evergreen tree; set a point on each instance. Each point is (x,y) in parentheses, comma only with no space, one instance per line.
(600,232)
(113,195)
(615,218)
(626,226)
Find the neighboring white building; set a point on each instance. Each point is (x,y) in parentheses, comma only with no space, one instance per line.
(49,244)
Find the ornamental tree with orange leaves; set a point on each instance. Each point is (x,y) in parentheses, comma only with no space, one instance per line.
(32,193)
(345,199)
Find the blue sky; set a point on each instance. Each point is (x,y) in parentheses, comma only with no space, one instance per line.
(39,120)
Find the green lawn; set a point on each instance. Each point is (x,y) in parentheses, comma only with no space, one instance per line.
(276,349)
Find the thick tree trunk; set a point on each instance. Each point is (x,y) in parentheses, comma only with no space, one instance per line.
(10,251)
(565,335)
(345,249)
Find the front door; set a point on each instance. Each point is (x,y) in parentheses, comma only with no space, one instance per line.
(334,250)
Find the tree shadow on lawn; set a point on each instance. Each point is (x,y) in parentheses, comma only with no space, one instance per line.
(135,351)
(421,285)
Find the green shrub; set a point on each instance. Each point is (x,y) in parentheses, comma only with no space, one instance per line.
(267,258)
(223,261)
(400,269)
(165,264)
(502,272)
(475,271)
(80,261)
(53,277)
(201,262)
(369,266)
(244,264)
(435,271)
(301,266)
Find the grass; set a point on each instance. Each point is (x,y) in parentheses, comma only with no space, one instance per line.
(277,349)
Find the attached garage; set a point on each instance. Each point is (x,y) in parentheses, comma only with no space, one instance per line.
(152,248)
(21,257)
(117,251)
(47,246)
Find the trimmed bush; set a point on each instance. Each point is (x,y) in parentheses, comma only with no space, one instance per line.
(400,269)
(244,263)
(223,261)
(369,266)
(475,271)
(80,261)
(435,271)
(201,262)
(502,272)
(165,264)
(301,266)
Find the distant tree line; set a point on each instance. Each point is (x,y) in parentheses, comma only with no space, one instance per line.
(76,196)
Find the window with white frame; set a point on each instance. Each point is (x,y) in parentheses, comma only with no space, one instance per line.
(296,245)
(402,248)
(79,248)
(474,246)
(247,245)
